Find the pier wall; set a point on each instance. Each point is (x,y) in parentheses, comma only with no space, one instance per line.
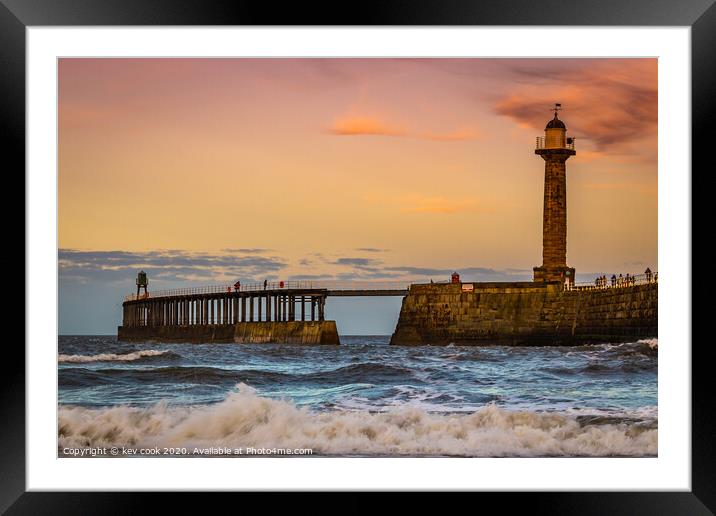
(525,313)
(279,332)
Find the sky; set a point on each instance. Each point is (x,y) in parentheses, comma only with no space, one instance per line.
(205,171)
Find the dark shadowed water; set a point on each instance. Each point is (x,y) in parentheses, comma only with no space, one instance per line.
(363,397)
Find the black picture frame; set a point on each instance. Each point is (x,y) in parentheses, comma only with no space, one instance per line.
(700,15)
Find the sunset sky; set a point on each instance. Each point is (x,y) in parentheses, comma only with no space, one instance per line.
(203,171)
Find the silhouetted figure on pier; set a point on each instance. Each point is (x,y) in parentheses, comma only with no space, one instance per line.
(237,286)
(648,274)
(614,280)
(265,284)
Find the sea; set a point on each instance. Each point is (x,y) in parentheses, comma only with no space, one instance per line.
(363,398)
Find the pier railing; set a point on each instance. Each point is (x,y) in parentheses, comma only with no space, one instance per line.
(339,285)
(617,282)
(274,285)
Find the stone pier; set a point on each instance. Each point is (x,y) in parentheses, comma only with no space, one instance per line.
(525,313)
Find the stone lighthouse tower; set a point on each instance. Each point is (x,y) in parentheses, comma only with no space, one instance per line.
(555,148)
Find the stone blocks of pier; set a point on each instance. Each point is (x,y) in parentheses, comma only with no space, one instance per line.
(525,313)
(295,332)
(282,332)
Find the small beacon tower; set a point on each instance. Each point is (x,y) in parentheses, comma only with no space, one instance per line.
(555,148)
(142,282)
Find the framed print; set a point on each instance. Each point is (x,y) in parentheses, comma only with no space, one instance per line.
(411,251)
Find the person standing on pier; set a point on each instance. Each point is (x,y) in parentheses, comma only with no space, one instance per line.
(647,272)
(265,284)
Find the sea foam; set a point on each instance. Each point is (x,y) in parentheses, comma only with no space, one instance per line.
(245,419)
(112,357)
(652,343)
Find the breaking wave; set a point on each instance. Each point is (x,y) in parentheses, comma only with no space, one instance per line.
(113,357)
(245,419)
(652,343)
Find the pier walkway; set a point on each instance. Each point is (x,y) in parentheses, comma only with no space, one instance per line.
(253,302)
(281,301)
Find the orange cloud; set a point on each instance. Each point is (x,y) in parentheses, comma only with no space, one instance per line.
(632,187)
(357,126)
(373,126)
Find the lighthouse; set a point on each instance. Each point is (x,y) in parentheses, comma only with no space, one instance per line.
(555,148)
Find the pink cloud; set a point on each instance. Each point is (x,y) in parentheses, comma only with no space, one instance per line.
(611,103)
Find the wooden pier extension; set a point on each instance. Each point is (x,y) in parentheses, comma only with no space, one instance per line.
(270,315)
